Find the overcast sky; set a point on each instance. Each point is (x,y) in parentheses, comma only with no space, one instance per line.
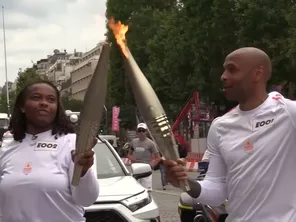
(34,28)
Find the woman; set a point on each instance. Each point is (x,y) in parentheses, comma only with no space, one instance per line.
(37,166)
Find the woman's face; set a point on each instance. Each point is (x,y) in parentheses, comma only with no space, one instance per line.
(40,105)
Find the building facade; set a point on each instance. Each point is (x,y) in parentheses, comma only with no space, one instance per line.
(83,71)
(57,67)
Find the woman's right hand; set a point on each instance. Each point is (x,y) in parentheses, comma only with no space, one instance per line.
(175,171)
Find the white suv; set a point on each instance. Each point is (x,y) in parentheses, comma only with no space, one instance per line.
(122,198)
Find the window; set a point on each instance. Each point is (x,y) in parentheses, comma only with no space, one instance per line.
(59,67)
(107,164)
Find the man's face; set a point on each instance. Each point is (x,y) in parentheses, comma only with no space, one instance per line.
(40,106)
(237,78)
(141,133)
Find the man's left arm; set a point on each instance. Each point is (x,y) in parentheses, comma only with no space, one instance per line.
(291,107)
(155,155)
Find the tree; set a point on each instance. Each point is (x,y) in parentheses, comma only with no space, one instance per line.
(187,53)
(72,104)
(26,77)
(266,26)
(140,16)
(181,45)
(3,102)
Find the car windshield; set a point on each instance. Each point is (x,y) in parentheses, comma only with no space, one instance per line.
(106,163)
(3,122)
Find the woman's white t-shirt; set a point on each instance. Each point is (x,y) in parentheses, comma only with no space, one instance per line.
(35,182)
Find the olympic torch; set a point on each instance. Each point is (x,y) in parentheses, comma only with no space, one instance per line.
(147,101)
(93,107)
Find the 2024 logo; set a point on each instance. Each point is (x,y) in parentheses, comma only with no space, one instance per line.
(263,123)
(46,145)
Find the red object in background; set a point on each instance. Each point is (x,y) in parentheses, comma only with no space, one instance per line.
(115,120)
(196,112)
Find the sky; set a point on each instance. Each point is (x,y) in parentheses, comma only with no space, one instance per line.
(34,28)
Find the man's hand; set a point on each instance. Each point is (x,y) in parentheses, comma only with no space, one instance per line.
(130,157)
(86,159)
(175,171)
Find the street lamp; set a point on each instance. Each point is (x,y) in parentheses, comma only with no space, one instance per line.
(5,59)
(106,117)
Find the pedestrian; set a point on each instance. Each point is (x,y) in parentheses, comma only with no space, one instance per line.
(182,150)
(252,147)
(37,165)
(143,150)
(163,177)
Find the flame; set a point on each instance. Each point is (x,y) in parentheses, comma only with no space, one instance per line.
(119,31)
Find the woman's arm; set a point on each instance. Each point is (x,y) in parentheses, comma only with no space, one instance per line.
(87,191)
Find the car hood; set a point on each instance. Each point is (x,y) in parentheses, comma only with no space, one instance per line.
(118,188)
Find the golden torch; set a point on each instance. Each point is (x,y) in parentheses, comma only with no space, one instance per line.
(93,107)
(147,100)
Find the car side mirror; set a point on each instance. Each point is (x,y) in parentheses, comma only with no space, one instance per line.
(141,170)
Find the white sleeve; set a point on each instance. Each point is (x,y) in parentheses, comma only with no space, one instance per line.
(213,187)
(206,156)
(291,108)
(87,191)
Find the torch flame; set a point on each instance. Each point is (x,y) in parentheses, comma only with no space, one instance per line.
(119,31)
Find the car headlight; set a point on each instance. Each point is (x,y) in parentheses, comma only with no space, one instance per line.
(138,201)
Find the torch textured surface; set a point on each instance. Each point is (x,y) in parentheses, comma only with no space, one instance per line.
(151,110)
(93,107)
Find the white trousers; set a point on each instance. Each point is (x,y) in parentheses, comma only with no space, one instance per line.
(146,182)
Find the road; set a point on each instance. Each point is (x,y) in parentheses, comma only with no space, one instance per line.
(167,200)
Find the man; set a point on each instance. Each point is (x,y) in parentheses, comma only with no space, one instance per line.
(143,150)
(252,148)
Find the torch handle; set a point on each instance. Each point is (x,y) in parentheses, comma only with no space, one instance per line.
(185,186)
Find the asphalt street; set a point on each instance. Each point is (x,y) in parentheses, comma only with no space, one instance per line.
(167,200)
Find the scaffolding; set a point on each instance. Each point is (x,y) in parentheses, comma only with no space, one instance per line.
(194,121)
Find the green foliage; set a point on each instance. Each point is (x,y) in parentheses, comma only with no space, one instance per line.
(26,77)
(72,104)
(181,45)
(3,102)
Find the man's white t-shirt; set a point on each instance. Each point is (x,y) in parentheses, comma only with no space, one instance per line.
(253,162)
(35,182)
(206,156)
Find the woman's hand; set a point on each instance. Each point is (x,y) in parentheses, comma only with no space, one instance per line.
(86,159)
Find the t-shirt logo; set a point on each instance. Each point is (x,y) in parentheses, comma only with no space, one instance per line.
(27,169)
(263,123)
(248,146)
(140,149)
(46,146)
(259,124)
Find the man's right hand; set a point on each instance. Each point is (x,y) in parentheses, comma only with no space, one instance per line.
(175,171)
